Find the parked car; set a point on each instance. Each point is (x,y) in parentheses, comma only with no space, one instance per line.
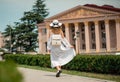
(3,51)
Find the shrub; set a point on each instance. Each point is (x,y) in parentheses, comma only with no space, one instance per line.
(108,64)
(33,60)
(9,72)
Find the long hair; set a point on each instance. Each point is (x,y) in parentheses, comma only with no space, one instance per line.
(56,30)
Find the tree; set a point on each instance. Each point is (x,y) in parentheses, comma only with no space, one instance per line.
(26,37)
(40,11)
(9,34)
(25,32)
(37,14)
(29,21)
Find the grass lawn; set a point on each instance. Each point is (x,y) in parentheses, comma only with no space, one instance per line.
(86,74)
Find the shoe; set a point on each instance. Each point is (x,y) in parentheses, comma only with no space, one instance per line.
(58,73)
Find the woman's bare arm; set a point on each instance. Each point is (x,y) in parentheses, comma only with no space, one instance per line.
(49,33)
(62,34)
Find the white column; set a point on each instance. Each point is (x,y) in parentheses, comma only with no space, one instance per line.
(107,30)
(48,30)
(87,37)
(77,38)
(40,39)
(97,36)
(48,34)
(118,33)
(67,33)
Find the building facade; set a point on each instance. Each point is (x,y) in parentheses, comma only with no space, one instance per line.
(90,28)
(1,40)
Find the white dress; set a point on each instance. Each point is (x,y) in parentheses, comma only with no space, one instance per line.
(60,55)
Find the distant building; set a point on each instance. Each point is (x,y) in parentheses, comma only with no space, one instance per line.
(97,28)
(1,40)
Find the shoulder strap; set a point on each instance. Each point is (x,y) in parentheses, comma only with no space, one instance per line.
(56,36)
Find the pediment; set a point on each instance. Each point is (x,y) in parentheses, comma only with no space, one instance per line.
(81,12)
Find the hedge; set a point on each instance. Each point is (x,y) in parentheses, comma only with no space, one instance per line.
(33,60)
(9,72)
(108,64)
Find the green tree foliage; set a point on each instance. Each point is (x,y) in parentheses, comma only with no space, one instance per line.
(26,39)
(40,11)
(9,72)
(37,14)
(24,34)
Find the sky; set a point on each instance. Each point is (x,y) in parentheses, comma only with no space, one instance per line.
(12,10)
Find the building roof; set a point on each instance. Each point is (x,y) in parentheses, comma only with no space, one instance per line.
(106,7)
(103,10)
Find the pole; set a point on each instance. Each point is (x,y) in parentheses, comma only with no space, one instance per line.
(10,37)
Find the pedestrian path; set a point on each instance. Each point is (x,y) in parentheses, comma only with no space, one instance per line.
(31,75)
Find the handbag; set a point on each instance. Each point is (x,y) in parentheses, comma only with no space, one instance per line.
(56,40)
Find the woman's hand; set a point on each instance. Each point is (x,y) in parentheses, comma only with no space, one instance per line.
(49,51)
(71,46)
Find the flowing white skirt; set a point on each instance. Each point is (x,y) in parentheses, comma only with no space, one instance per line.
(60,57)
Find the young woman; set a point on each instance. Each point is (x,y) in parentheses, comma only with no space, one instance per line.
(61,51)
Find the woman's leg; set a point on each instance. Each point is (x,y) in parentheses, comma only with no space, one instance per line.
(58,71)
(58,68)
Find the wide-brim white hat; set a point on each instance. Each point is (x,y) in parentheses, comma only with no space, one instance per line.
(55,23)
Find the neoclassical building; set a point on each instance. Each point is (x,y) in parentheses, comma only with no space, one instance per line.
(90,28)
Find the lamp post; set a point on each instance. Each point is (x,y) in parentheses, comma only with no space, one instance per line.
(10,37)
(10,40)
(9,43)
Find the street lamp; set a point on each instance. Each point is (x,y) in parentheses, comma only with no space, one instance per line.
(10,40)
(77,33)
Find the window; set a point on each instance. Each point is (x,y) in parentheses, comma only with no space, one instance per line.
(82,29)
(73,30)
(83,46)
(103,45)
(102,26)
(44,31)
(93,46)
(103,35)
(46,46)
(83,36)
(93,36)
(92,27)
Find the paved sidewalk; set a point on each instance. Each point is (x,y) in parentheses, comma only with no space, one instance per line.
(31,75)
